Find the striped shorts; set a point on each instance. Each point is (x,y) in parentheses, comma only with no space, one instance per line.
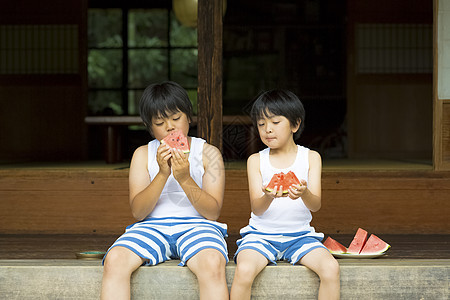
(279,246)
(159,239)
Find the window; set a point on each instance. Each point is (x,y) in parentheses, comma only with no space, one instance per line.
(130,48)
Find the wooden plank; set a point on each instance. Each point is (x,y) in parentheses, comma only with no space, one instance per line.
(393,211)
(64,246)
(81,201)
(210,71)
(136,120)
(64,180)
(64,212)
(385,180)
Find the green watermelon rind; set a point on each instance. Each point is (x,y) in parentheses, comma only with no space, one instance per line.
(270,190)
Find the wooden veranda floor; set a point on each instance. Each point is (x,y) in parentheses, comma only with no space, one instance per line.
(65,246)
(78,179)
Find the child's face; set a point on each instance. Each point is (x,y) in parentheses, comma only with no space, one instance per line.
(161,126)
(276,131)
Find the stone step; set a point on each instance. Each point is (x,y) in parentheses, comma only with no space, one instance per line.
(360,279)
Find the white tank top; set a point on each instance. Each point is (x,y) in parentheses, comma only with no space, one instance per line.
(173,202)
(284,215)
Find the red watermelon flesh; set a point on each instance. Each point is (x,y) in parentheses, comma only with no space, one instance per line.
(277,181)
(281,179)
(358,242)
(176,139)
(374,245)
(334,246)
(292,178)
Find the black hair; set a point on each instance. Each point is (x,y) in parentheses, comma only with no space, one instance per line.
(160,99)
(280,103)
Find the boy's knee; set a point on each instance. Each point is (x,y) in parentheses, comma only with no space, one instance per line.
(245,272)
(112,260)
(215,260)
(117,260)
(330,270)
(212,264)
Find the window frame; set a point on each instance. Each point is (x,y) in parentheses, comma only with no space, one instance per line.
(125,9)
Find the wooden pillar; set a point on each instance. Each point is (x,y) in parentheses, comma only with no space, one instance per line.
(441,93)
(209,26)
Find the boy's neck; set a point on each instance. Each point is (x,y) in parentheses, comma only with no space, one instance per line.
(287,149)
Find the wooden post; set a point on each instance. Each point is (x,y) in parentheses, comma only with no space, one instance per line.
(209,26)
(441,95)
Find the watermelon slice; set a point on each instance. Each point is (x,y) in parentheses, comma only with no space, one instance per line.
(374,245)
(281,179)
(291,178)
(358,241)
(277,181)
(334,246)
(176,139)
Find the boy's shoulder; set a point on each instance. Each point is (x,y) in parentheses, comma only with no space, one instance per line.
(254,156)
(141,154)
(313,153)
(253,159)
(314,157)
(141,149)
(210,149)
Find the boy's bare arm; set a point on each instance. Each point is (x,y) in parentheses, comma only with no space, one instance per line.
(259,200)
(312,196)
(143,193)
(207,200)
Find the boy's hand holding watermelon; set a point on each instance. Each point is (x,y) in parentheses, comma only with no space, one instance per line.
(177,148)
(283,185)
(297,190)
(176,140)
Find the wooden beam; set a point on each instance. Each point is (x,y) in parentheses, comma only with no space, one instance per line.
(209,24)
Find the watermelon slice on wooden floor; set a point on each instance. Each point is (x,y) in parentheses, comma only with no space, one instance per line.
(334,246)
(374,245)
(358,242)
(176,139)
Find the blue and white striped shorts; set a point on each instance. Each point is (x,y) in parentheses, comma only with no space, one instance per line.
(160,239)
(279,246)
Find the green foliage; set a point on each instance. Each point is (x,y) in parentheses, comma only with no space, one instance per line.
(151,58)
(147,28)
(105,68)
(182,36)
(105,28)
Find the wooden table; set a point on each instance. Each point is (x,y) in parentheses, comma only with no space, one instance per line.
(113,124)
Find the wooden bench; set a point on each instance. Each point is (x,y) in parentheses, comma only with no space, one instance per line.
(360,279)
(113,124)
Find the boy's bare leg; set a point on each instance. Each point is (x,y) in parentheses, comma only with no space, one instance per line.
(119,264)
(249,264)
(326,267)
(209,267)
